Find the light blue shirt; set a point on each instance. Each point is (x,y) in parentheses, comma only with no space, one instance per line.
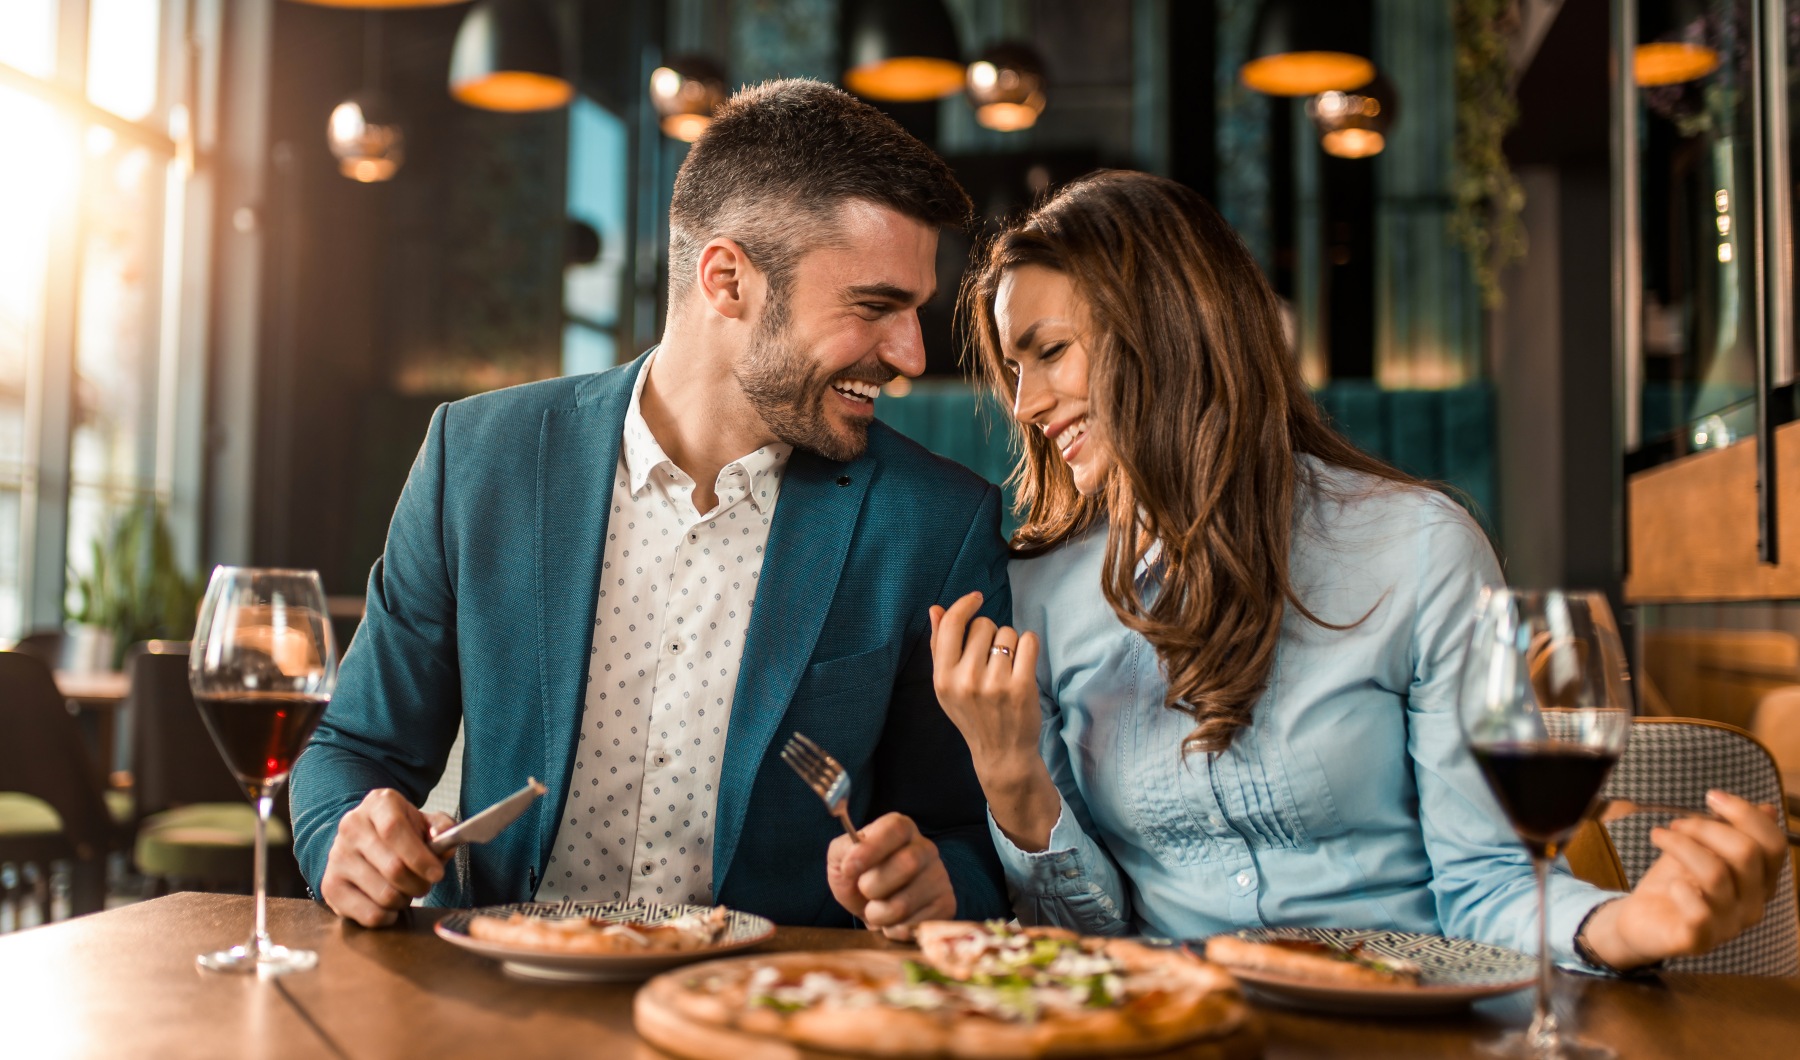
(1350,801)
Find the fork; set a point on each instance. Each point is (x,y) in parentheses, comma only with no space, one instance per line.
(1614,809)
(824,775)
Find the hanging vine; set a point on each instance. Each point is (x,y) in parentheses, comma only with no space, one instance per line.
(1489,199)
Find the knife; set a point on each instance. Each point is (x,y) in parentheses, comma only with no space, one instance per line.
(488,823)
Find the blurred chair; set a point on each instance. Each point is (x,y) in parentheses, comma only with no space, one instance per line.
(1777,725)
(1675,761)
(195,826)
(44,645)
(51,809)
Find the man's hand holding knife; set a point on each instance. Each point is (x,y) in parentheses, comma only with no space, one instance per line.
(388,851)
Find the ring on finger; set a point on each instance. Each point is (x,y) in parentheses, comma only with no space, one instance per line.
(1000,649)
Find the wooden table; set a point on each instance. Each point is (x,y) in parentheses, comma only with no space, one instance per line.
(123,983)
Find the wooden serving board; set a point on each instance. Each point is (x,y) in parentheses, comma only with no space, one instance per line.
(661,1023)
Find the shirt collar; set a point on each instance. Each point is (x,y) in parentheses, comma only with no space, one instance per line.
(644,455)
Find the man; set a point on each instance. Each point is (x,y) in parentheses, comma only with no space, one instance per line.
(573,564)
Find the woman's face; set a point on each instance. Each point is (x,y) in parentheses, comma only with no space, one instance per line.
(1043,324)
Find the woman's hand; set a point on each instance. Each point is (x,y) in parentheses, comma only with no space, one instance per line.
(986,680)
(1711,882)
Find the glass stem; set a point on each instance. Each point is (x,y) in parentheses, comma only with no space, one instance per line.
(259,941)
(1543,1021)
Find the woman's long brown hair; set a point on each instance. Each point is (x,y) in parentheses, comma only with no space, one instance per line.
(1192,386)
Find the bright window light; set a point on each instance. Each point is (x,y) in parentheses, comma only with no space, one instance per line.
(124,37)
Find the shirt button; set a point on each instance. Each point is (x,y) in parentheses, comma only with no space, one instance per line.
(1217,821)
(693,537)
(675,646)
(1070,874)
(1244,878)
(648,868)
(661,760)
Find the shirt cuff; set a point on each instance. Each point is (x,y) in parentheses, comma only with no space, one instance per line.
(1568,912)
(1060,870)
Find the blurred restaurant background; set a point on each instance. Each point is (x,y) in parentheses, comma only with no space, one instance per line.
(1540,251)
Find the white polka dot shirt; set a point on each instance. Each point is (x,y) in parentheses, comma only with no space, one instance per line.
(676,589)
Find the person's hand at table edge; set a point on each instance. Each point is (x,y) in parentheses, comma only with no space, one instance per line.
(892,880)
(381,859)
(1711,883)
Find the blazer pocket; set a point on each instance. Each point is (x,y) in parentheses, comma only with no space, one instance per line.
(848,673)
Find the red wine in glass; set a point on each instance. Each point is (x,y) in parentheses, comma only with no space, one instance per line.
(1545,704)
(1545,788)
(261,733)
(262,668)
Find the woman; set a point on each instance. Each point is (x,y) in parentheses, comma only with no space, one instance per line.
(1234,702)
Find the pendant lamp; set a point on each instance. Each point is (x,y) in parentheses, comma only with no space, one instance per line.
(902,51)
(507,57)
(685,91)
(362,133)
(1305,47)
(1006,87)
(1354,124)
(1678,43)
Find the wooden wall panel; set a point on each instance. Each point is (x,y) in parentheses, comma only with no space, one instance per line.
(1692,527)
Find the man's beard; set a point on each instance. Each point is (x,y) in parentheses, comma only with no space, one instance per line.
(789,393)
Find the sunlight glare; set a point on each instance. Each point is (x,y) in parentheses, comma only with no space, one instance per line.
(124,37)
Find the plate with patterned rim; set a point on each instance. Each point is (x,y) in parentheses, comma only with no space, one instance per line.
(742,930)
(1454,972)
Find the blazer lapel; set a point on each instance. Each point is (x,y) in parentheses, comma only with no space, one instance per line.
(578,456)
(815,518)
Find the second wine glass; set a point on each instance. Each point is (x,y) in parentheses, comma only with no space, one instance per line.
(1545,707)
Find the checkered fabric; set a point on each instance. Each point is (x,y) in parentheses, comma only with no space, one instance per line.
(1675,761)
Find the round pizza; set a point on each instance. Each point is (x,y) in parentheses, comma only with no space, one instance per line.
(974,990)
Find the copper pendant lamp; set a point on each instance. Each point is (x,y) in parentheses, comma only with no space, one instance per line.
(901,51)
(1006,87)
(507,57)
(1305,47)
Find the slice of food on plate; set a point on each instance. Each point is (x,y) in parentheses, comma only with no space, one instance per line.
(979,990)
(1313,960)
(603,935)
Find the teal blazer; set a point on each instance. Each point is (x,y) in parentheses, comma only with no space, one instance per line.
(482,608)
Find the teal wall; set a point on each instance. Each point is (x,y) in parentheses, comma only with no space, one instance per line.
(1446,436)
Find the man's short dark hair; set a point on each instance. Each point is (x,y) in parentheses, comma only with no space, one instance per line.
(776,163)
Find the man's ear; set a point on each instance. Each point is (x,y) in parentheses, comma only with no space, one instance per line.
(729,283)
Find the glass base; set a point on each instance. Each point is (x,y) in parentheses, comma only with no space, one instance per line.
(264,961)
(1527,1045)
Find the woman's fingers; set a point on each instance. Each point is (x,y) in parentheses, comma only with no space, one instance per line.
(1703,866)
(1024,661)
(1760,825)
(948,630)
(1002,656)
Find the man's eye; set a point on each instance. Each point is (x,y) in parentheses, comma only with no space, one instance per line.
(873,307)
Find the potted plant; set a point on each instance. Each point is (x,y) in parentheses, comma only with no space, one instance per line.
(134,590)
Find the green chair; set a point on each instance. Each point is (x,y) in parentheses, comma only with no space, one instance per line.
(195,827)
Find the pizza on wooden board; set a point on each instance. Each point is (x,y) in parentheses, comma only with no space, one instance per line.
(980,990)
(1313,961)
(595,935)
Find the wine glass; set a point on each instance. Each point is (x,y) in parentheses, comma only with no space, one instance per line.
(1545,707)
(262,668)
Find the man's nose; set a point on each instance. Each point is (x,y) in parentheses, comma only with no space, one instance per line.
(904,350)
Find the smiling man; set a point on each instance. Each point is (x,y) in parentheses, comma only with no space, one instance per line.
(637,585)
